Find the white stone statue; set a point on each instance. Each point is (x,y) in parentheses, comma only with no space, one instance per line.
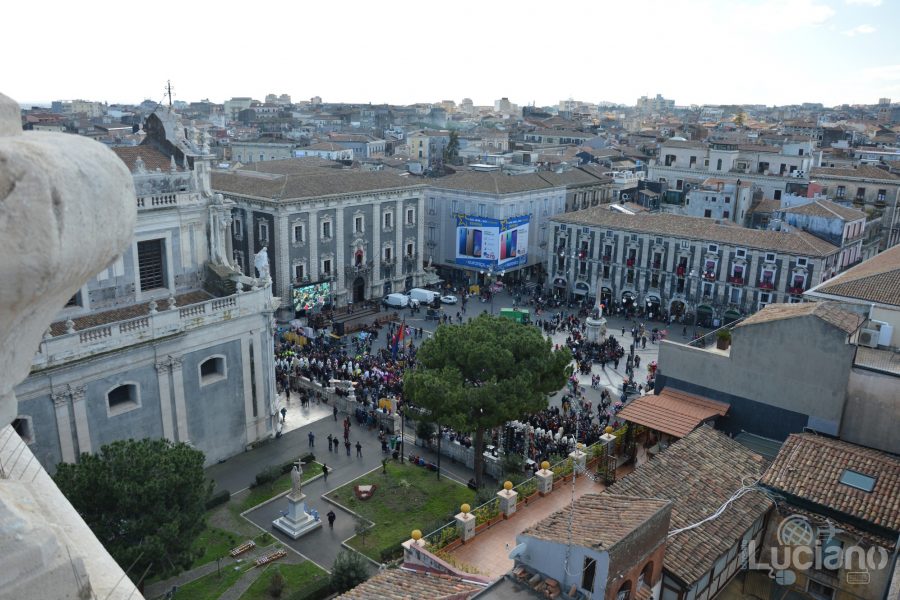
(261,262)
(296,477)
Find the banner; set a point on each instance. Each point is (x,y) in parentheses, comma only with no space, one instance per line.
(485,243)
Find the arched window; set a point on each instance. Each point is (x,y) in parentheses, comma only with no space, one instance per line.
(212,370)
(646,576)
(123,398)
(624,592)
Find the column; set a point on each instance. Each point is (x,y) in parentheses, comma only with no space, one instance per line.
(751,281)
(376,249)
(312,237)
(419,248)
(282,248)
(262,402)
(251,232)
(248,390)
(399,226)
(180,408)
(79,407)
(227,234)
(165,399)
(340,243)
(63,426)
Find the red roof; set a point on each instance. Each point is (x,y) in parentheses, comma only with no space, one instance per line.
(672,411)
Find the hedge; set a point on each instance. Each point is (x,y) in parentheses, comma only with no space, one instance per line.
(217,499)
(317,590)
(267,475)
(391,553)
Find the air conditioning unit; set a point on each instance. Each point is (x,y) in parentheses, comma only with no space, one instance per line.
(869,338)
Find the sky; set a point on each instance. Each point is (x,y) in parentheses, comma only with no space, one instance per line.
(771,52)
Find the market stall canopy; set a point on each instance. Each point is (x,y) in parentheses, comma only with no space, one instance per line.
(672,411)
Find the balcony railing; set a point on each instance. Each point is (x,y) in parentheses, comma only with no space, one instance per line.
(161,324)
(629,262)
(736,279)
(680,271)
(360,269)
(709,276)
(607,259)
(766,285)
(796,290)
(656,265)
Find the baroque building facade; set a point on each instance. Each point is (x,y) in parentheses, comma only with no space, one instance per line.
(164,342)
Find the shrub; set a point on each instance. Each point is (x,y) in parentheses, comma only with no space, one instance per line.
(276,584)
(305,459)
(513,465)
(391,553)
(724,335)
(317,590)
(484,495)
(527,488)
(348,571)
(267,475)
(217,499)
(485,513)
(424,430)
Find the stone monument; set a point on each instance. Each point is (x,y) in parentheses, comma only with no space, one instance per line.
(68,205)
(595,326)
(297,520)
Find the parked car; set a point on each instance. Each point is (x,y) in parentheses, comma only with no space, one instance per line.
(449,299)
(396,300)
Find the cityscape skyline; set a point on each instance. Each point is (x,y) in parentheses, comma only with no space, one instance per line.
(772,52)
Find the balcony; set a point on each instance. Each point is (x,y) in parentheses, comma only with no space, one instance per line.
(607,259)
(629,262)
(709,276)
(680,270)
(656,265)
(736,279)
(766,285)
(796,290)
(360,269)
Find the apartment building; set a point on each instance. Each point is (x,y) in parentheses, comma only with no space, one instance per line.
(360,231)
(684,266)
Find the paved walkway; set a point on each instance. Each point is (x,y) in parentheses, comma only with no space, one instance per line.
(242,585)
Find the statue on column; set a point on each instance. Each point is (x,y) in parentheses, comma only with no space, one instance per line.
(296,478)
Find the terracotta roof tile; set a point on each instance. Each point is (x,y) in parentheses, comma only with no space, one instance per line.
(493,182)
(827,209)
(599,520)
(699,473)
(398,584)
(697,228)
(810,467)
(153,158)
(861,172)
(672,411)
(875,280)
(830,312)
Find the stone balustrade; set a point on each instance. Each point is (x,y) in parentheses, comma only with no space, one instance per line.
(86,342)
(172,200)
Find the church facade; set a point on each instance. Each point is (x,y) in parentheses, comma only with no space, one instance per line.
(170,340)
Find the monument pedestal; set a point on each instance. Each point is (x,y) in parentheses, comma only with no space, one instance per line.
(297,521)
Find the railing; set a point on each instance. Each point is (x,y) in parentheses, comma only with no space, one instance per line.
(629,262)
(736,279)
(607,259)
(155,201)
(166,322)
(680,271)
(656,265)
(796,291)
(709,276)
(766,285)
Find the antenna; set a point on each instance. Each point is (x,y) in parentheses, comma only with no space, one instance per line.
(169,92)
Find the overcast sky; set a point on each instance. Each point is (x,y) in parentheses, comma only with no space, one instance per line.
(400,52)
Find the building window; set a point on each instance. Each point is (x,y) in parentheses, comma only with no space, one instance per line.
(388,220)
(882,195)
(387,254)
(151,264)
(326,230)
(299,234)
(707,213)
(719,165)
(713,248)
(841,191)
(123,398)
(22,426)
(740,253)
(735,296)
(326,267)
(588,574)
(410,216)
(819,590)
(726,214)
(212,370)
(801,262)
(646,576)
(299,272)
(770,257)
(861,193)
(777,195)
(410,249)
(238,228)
(624,592)
(263,232)
(858,480)
(74,301)
(358,224)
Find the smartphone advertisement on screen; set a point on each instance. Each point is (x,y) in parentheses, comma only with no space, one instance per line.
(485,243)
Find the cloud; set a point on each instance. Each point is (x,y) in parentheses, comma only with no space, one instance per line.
(859,30)
(791,15)
(872,3)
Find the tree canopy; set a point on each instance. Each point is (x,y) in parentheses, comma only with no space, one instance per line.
(143,499)
(483,373)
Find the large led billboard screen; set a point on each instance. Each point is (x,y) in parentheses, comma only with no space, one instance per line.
(310,297)
(485,243)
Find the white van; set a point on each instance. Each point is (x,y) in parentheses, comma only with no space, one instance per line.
(423,296)
(396,301)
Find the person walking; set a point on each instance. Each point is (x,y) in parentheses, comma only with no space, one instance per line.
(358,449)
(331,517)
(329,442)
(312,440)
(325,472)
(347,446)
(283,414)
(334,412)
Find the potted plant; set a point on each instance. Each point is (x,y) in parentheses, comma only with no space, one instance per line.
(723,339)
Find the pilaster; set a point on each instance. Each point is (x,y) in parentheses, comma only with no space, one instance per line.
(312,237)
(420,240)
(79,407)
(64,426)
(375,253)
(249,419)
(399,226)
(340,245)
(282,247)
(263,412)
(180,408)
(163,370)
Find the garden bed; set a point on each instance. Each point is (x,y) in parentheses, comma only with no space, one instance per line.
(296,578)
(258,495)
(408,497)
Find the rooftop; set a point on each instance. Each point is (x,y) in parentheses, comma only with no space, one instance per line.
(827,209)
(400,584)
(860,172)
(698,228)
(599,520)
(815,469)
(874,280)
(153,159)
(830,312)
(699,473)
(673,411)
(493,182)
(115,315)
